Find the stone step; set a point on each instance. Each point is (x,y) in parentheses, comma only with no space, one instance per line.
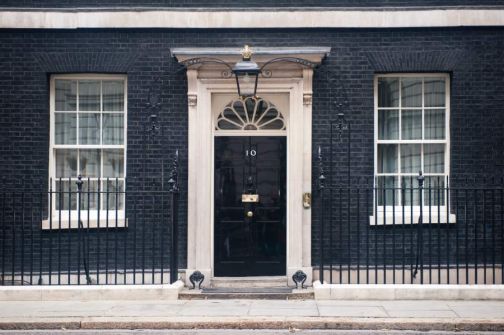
(273,293)
(281,289)
(248,282)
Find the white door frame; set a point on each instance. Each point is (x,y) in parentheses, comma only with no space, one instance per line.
(286,86)
(202,83)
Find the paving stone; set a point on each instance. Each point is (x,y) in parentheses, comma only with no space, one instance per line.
(480,312)
(220,311)
(410,313)
(352,311)
(284,312)
(283,303)
(416,305)
(368,303)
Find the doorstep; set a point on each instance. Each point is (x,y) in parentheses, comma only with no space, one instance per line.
(91,292)
(262,287)
(258,293)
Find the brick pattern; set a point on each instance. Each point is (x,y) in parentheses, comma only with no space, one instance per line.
(473,57)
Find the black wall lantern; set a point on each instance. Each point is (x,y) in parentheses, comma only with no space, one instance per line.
(247,74)
(246,71)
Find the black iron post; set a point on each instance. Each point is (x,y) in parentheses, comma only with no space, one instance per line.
(421,180)
(174,190)
(79,183)
(80,227)
(321,187)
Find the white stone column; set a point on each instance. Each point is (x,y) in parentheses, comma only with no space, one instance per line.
(307,165)
(295,159)
(198,220)
(300,232)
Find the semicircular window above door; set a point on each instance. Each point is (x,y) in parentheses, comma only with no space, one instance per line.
(250,114)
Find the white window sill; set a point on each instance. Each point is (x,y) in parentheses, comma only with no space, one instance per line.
(55,224)
(398,219)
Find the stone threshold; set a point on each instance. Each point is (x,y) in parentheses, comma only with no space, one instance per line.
(255,293)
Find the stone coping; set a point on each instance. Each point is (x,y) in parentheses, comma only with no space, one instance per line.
(91,292)
(407,292)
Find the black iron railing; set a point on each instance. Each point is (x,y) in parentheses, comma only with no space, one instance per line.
(439,232)
(83,234)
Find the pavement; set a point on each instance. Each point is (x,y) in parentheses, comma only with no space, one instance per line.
(254,314)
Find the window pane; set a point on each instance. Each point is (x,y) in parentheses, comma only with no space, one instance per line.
(66,193)
(65,125)
(113,194)
(65,95)
(434,124)
(387,191)
(276,124)
(388,92)
(89,195)
(410,193)
(90,163)
(434,189)
(388,124)
(224,124)
(89,95)
(230,120)
(89,128)
(387,158)
(113,129)
(113,163)
(411,125)
(434,156)
(268,116)
(434,92)
(66,163)
(411,161)
(411,92)
(113,95)
(240,111)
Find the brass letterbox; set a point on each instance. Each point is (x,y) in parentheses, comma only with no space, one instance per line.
(250,197)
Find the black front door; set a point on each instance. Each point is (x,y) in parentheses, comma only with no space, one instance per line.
(250,216)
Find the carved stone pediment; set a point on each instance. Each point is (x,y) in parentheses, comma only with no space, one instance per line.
(301,57)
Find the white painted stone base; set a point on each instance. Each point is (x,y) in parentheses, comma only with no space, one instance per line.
(406,292)
(92,292)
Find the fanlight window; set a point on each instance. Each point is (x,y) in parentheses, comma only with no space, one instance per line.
(250,114)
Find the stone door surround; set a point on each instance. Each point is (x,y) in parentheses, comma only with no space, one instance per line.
(204,80)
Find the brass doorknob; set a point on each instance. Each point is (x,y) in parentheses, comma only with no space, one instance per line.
(250,214)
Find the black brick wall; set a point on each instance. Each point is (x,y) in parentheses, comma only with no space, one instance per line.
(473,57)
(245,3)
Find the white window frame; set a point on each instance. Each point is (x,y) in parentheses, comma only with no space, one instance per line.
(69,218)
(393,215)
